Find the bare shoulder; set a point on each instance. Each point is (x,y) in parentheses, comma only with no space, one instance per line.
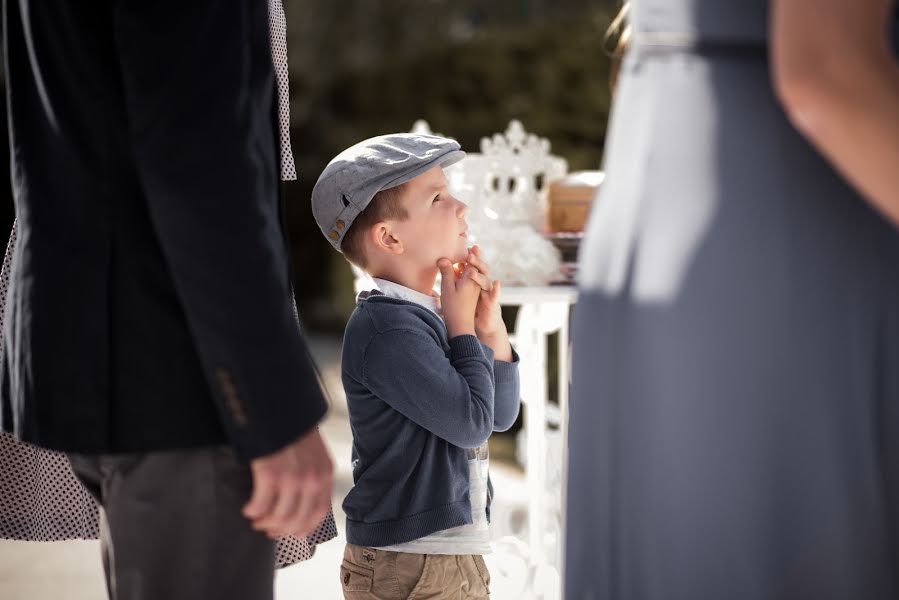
(812,31)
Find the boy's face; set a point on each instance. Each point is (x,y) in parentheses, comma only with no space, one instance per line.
(436,226)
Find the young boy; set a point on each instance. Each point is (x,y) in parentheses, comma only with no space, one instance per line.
(427,378)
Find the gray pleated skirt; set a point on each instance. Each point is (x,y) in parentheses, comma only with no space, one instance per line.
(734,429)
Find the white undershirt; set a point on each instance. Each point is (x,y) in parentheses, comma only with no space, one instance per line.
(465,539)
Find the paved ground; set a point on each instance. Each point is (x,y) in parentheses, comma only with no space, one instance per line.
(72,571)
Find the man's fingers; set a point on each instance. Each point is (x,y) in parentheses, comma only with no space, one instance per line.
(296,511)
(312,507)
(321,509)
(262,498)
(281,514)
(286,480)
(304,517)
(314,516)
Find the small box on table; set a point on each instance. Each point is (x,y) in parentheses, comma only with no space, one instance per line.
(570,199)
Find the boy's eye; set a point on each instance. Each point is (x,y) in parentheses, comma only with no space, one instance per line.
(437,197)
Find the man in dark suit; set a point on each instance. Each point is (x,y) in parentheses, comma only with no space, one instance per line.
(150,328)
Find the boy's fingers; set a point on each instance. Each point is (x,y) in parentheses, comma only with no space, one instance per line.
(475,261)
(480,279)
(497,288)
(447,276)
(469,277)
(491,295)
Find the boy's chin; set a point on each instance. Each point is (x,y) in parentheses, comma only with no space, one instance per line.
(460,255)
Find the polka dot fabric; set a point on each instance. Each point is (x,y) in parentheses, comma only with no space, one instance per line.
(40,497)
(278,30)
(41,500)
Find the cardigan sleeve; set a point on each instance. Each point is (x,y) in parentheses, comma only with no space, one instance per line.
(452,397)
(507,397)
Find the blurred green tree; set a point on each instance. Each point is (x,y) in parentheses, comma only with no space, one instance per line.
(365,67)
(466,68)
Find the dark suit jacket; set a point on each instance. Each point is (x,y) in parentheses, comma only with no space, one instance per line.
(150,303)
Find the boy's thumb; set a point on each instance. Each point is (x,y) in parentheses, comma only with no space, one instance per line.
(447,276)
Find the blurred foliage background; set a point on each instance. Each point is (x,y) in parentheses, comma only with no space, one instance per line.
(360,68)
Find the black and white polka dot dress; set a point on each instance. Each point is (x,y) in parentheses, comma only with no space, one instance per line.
(278,30)
(40,497)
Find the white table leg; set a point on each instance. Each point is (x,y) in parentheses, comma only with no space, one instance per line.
(535,424)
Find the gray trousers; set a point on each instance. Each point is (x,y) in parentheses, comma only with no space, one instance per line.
(171,526)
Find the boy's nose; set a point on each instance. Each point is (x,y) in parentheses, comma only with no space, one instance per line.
(461,209)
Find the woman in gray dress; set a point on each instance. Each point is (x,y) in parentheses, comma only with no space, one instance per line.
(735,400)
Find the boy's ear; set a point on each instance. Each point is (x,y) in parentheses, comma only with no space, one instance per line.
(384,239)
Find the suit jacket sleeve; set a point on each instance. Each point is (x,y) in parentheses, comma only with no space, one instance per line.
(200,93)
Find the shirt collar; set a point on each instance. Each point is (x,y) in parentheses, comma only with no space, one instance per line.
(401,292)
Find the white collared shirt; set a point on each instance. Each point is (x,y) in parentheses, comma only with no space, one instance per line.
(395,290)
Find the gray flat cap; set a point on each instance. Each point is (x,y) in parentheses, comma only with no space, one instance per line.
(351,180)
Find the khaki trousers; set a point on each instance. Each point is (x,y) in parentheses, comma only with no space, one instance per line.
(372,574)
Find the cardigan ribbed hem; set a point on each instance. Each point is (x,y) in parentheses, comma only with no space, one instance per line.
(506,372)
(465,346)
(390,533)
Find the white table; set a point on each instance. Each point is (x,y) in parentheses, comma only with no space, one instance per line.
(543,310)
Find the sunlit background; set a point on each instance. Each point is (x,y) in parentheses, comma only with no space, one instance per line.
(360,68)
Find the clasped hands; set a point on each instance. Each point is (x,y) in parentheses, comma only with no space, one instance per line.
(470,302)
(292,487)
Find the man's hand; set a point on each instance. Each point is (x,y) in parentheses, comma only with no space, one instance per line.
(291,488)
